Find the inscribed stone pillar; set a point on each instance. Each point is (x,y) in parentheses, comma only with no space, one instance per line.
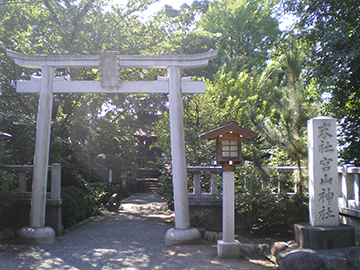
(323,186)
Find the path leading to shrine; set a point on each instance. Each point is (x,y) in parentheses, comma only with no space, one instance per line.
(132,238)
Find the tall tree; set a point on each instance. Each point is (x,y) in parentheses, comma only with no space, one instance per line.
(245,30)
(75,27)
(332,27)
(284,128)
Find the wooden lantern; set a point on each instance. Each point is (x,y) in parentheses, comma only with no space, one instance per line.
(228,143)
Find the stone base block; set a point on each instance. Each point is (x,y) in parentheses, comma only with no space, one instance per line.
(329,237)
(190,236)
(228,249)
(35,236)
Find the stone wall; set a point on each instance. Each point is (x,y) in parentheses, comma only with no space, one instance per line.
(352,221)
(211,211)
(17,215)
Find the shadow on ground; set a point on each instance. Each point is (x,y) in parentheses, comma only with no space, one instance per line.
(132,238)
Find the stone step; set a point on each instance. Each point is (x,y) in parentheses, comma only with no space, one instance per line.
(146,185)
(148,173)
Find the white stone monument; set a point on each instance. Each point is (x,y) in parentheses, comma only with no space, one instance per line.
(323,230)
(323,176)
(109,64)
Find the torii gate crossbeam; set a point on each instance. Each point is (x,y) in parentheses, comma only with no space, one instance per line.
(109,64)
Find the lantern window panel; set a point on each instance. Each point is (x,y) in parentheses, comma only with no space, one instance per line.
(229,148)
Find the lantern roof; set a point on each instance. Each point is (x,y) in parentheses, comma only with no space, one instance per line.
(229,127)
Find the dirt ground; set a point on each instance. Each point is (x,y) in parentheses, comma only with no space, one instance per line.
(132,238)
(283,234)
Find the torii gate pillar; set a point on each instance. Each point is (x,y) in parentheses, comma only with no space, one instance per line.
(109,64)
(37,233)
(182,233)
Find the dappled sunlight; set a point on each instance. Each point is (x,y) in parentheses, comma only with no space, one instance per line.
(34,256)
(132,238)
(149,205)
(157,209)
(114,259)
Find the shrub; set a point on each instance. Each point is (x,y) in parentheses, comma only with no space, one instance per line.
(252,196)
(201,219)
(165,189)
(77,205)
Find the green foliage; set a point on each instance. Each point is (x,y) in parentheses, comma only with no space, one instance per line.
(77,205)
(290,105)
(245,30)
(257,80)
(267,209)
(201,219)
(332,31)
(165,189)
(8,178)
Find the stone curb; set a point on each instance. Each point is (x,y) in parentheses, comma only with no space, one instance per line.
(79,224)
(290,256)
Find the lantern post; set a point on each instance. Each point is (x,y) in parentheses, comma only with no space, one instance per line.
(228,153)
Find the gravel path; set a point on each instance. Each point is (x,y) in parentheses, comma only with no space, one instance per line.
(132,238)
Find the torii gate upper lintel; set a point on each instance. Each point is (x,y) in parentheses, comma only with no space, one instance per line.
(125,61)
(109,64)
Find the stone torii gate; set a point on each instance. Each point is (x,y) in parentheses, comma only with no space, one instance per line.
(109,64)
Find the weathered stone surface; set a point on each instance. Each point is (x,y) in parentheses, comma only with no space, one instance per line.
(8,233)
(353,256)
(228,249)
(182,237)
(247,248)
(331,259)
(264,249)
(202,231)
(219,236)
(301,260)
(255,250)
(277,247)
(308,262)
(329,237)
(322,171)
(334,263)
(292,245)
(210,236)
(35,236)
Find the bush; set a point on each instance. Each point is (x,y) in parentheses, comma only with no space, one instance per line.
(77,206)
(252,196)
(267,209)
(165,189)
(201,219)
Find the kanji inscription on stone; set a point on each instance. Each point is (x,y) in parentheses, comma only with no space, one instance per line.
(323,187)
(109,70)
